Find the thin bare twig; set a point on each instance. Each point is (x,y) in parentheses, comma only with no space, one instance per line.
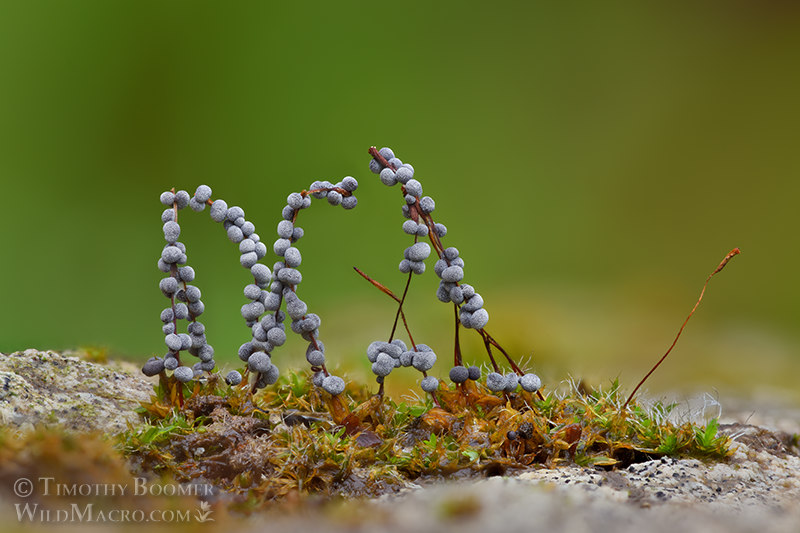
(400,307)
(457,359)
(384,289)
(724,262)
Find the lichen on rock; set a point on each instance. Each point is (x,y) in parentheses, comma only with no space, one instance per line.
(46,387)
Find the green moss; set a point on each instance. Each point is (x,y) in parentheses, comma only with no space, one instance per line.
(293,438)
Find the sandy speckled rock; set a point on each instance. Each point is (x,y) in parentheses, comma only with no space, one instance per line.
(45,387)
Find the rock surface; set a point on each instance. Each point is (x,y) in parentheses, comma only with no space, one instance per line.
(757,489)
(51,388)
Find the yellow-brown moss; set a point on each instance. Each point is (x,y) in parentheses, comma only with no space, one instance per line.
(292,440)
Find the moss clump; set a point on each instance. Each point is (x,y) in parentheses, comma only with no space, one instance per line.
(69,470)
(295,439)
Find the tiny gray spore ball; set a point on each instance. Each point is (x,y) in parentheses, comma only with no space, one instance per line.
(453,274)
(285,229)
(261,274)
(427,204)
(173,342)
(259,362)
(193,294)
(495,381)
(235,234)
(218,211)
(169,286)
(153,366)
(418,251)
(349,183)
(167,198)
(333,384)
(186,274)
(530,382)
(349,202)
(234,213)
(167,315)
(247,260)
(459,374)
(183,374)
(182,199)
(292,257)
(424,361)
(315,358)
(480,318)
(404,174)
(172,231)
(429,384)
(181,311)
(252,310)
(414,188)
(171,254)
(388,177)
(511,382)
(233,378)
(203,193)
(334,198)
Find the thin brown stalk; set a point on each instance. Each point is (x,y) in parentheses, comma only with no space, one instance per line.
(457,359)
(400,307)
(494,343)
(377,155)
(488,346)
(724,262)
(384,289)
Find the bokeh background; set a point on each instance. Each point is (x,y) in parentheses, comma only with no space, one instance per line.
(593,163)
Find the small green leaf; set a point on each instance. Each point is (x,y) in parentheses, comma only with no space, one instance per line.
(472,455)
(668,445)
(431,442)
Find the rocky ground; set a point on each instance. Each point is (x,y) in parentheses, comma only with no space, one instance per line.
(48,387)
(757,489)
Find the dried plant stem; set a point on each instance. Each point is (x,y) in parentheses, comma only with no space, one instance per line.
(488,338)
(488,346)
(387,291)
(373,151)
(457,359)
(180,393)
(724,262)
(400,308)
(384,289)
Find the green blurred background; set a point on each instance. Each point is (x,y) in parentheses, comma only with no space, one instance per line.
(593,162)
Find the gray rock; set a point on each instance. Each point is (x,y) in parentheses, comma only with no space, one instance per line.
(50,388)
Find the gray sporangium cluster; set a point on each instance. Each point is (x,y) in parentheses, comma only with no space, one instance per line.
(185,302)
(272,290)
(385,356)
(266,294)
(286,278)
(449,267)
